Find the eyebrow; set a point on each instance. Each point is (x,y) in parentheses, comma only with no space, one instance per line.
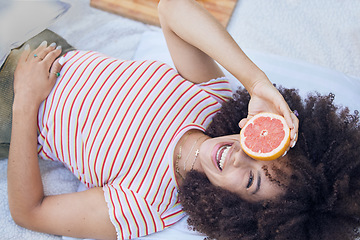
(258,183)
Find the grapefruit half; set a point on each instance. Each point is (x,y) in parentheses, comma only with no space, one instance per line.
(266,136)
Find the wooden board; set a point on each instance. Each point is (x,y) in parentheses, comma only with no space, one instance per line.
(146,10)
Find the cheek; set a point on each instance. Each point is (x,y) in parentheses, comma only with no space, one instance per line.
(271,190)
(207,146)
(230,182)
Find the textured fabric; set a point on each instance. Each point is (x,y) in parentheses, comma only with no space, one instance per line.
(7,88)
(112,123)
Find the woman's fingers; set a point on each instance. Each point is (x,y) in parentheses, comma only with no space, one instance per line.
(294,131)
(43,54)
(52,52)
(43,51)
(243,122)
(39,54)
(55,71)
(293,123)
(40,62)
(25,54)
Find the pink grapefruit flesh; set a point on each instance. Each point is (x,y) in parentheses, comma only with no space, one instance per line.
(265,136)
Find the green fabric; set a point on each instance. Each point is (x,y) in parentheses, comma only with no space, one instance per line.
(7,79)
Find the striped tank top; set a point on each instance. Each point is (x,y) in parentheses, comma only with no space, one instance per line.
(114,124)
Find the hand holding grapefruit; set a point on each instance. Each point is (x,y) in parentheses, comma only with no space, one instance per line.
(266,136)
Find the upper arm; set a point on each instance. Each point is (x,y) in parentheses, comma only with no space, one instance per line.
(82,214)
(191,63)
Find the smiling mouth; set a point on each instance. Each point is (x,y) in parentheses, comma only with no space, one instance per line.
(221,155)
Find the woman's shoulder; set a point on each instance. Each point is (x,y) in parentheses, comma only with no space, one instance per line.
(219,88)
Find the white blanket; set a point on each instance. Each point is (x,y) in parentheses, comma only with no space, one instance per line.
(322,32)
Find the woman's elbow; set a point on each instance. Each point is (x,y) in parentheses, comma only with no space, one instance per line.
(21,218)
(165,6)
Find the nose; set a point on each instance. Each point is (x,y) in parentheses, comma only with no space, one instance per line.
(240,157)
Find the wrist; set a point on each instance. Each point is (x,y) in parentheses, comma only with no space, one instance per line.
(24,106)
(258,84)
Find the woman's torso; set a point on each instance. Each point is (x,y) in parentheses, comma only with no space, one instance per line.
(112,122)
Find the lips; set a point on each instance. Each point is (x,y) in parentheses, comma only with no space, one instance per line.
(221,155)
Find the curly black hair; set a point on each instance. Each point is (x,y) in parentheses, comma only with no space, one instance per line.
(322,198)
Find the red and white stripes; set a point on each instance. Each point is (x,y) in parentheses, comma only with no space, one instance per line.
(112,123)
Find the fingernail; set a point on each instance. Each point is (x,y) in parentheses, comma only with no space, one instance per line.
(61,61)
(27,47)
(293,145)
(58,48)
(284,153)
(53,45)
(44,43)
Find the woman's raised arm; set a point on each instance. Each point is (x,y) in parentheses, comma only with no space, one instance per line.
(195,39)
(193,35)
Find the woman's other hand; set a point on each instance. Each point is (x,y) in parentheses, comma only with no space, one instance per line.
(36,74)
(266,98)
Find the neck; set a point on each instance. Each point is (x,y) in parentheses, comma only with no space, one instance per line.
(186,153)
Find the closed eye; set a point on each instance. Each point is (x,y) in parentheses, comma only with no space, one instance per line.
(251,180)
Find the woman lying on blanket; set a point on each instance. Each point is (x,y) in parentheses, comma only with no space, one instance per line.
(134,133)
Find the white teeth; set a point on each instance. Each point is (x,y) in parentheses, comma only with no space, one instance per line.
(223,155)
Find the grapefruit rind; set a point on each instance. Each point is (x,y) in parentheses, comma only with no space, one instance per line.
(273,154)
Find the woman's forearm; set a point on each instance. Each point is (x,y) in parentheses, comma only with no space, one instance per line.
(195,25)
(33,81)
(25,189)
